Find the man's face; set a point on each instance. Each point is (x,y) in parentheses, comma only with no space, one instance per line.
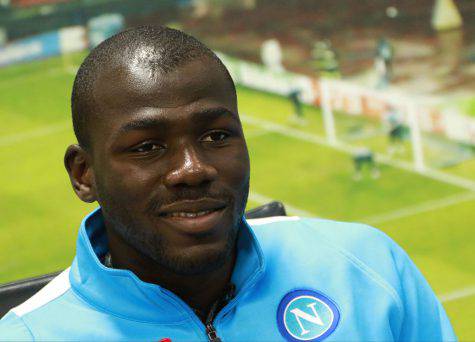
(170,163)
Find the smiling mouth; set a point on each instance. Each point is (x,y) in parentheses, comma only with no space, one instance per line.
(195,221)
(198,215)
(188,214)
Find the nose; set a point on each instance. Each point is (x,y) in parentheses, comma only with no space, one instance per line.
(189,169)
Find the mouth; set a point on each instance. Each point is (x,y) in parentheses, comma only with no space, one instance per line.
(188,214)
(194,217)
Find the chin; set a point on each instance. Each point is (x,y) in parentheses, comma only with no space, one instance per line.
(197,260)
(199,257)
(197,253)
(179,251)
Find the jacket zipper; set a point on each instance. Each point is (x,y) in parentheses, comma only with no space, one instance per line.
(229,298)
(219,304)
(211,332)
(210,329)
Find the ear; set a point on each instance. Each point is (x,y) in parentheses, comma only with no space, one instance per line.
(78,164)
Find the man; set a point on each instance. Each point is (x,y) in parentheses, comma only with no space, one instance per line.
(294,97)
(169,256)
(384,62)
(396,130)
(363,156)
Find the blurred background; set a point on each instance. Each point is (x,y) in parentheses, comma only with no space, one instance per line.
(355,110)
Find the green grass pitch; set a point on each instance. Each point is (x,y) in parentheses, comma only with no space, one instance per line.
(40,214)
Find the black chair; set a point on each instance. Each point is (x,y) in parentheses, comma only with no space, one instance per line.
(267,210)
(15,293)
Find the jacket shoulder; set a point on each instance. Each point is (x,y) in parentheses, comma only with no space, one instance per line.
(344,236)
(12,328)
(327,242)
(365,259)
(21,321)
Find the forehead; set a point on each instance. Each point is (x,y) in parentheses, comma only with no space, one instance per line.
(129,86)
(130,93)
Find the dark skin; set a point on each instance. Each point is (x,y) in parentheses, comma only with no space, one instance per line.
(169,166)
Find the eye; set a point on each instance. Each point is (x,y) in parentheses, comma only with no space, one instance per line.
(147,147)
(215,137)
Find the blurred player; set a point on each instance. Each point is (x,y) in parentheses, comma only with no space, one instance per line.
(384,62)
(396,131)
(294,97)
(325,60)
(364,157)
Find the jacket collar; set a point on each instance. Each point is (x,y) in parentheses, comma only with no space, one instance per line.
(123,294)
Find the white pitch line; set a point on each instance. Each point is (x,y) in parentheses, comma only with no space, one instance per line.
(419,208)
(316,139)
(458,294)
(38,75)
(11,139)
(261,199)
(254,134)
(430,173)
(71,69)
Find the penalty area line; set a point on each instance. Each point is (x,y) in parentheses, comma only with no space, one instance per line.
(419,208)
(256,134)
(38,75)
(42,131)
(457,294)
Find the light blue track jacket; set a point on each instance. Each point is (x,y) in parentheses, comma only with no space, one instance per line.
(296,280)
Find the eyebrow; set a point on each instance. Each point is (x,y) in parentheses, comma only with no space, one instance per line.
(146,123)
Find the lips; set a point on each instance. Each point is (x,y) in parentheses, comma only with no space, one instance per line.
(189,214)
(191,208)
(194,217)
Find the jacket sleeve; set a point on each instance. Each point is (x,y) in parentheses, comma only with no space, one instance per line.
(424,317)
(12,328)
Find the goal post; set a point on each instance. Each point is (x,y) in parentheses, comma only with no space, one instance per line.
(327,112)
(416,139)
(330,93)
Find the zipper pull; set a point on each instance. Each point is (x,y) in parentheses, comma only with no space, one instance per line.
(211,332)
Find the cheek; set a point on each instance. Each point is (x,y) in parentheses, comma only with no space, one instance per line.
(128,183)
(234,169)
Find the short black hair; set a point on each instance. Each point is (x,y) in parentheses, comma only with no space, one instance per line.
(165,50)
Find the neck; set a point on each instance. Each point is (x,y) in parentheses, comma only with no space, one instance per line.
(199,291)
